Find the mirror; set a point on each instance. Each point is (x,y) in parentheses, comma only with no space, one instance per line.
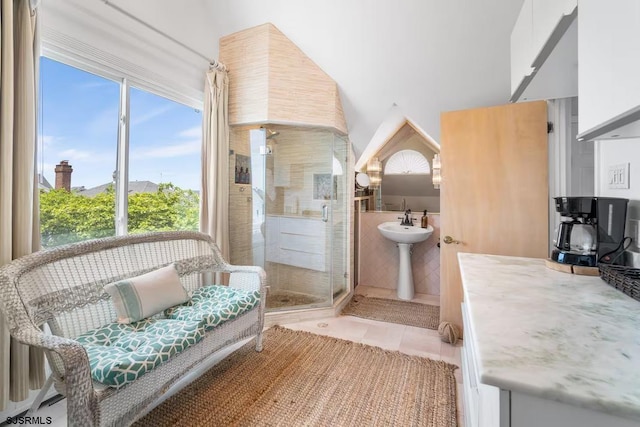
(362,180)
(415,192)
(408,191)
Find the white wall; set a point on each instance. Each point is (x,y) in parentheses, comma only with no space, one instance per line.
(425,56)
(614,152)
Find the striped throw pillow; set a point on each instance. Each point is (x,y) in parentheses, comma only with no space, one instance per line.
(143,296)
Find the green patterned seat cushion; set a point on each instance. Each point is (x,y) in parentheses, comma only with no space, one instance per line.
(120,353)
(213,305)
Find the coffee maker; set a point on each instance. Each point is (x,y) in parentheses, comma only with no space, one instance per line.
(592,232)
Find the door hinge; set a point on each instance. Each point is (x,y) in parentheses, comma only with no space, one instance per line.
(549,127)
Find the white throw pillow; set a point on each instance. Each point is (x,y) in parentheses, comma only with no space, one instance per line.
(142,296)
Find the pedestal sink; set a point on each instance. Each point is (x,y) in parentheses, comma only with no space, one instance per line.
(405,236)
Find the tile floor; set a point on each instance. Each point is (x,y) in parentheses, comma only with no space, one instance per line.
(390,336)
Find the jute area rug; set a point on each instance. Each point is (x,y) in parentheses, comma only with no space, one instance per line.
(393,311)
(303,379)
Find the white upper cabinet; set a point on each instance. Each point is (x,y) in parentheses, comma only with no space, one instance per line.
(522,46)
(544,53)
(609,56)
(546,15)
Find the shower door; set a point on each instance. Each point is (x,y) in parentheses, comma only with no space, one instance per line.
(340,211)
(299,212)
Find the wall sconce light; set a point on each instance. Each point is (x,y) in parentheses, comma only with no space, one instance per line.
(435,165)
(374,169)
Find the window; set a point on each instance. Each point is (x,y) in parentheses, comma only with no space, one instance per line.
(164,164)
(407,162)
(77,153)
(96,179)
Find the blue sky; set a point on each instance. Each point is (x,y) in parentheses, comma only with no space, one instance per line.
(79,123)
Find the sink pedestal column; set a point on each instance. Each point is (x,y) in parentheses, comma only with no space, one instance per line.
(405,275)
(404,236)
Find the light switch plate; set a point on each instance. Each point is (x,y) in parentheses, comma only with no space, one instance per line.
(619,176)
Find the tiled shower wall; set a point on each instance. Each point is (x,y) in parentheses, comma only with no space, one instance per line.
(240,201)
(379,257)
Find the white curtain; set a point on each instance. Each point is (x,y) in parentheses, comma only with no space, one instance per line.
(214,199)
(21,368)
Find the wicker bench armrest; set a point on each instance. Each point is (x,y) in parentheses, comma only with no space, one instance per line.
(247,277)
(245,269)
(82,402)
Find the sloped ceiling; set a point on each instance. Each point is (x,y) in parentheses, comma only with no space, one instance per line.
(426,56)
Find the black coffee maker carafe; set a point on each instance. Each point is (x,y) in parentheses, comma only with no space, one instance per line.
(592,232)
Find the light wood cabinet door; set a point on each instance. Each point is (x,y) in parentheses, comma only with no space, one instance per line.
(494,192)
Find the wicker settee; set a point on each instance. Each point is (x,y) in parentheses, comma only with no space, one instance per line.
(64,288)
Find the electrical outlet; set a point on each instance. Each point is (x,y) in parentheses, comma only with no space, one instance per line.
(619,176)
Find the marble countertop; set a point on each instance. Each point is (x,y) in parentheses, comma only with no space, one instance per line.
(558,336)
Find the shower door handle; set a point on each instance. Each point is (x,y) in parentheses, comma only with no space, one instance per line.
(325,213)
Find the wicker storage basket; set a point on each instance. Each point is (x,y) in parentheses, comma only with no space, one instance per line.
(626,279)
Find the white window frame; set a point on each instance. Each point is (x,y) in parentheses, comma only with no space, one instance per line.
(83,58)
(122,162)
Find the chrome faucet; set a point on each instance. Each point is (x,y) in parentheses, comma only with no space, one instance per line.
(406,219)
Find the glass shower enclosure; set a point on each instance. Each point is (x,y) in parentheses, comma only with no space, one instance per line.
(298,221)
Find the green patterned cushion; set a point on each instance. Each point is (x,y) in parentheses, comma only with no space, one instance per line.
(120,353)
(213,305)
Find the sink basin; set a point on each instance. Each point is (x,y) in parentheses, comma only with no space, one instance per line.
(403,233)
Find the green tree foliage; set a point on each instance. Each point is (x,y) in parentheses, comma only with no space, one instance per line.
(67,217)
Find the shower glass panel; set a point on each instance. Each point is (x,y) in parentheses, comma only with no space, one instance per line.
(298,212)
(257,140)
(340,218)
